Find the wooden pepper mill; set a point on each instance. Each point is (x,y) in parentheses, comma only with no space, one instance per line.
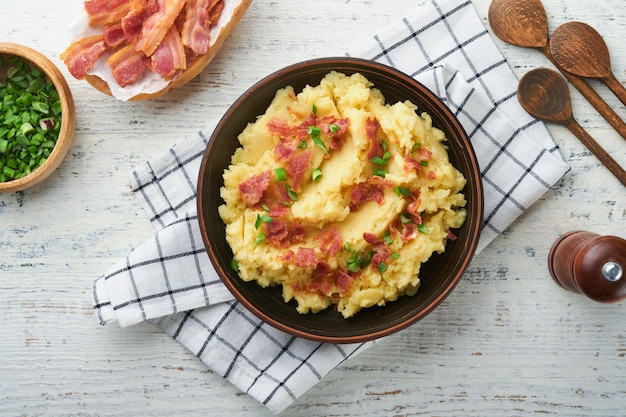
(590,264)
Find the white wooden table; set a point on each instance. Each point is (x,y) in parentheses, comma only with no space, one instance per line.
(507,342)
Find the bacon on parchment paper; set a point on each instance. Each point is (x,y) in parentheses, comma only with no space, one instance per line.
(165,36)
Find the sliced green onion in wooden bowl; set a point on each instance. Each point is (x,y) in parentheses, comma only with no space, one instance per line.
(37,117)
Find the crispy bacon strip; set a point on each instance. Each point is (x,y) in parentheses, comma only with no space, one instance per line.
(114,35)
(215,10)
(169,56)
(132,22)
(104,12)
(195,31)
(162,14)
(128,65)
(81,55)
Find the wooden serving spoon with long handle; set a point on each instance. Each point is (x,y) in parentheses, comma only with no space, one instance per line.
(524,23)
(579,49)
(544,94)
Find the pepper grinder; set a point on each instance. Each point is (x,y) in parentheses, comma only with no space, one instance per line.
(590,264)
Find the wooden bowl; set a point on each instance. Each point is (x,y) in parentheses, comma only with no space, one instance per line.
(438,276)
(68,117)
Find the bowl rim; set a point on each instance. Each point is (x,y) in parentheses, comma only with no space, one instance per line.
(68,116)
(409,320)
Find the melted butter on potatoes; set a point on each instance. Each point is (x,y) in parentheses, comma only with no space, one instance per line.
(340,197)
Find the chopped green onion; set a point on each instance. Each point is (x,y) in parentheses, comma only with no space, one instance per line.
(395,256)
(423,228)
(346,246)
(320,144)
(387,237)
(302,144)
(402,191)
(415,147)
(41,107)
(387,156)
(314,130)
(30,119)
(234,265)
(378,161)
(280,174)
(259,239)
(382,267)
(334,128)
(292,194)
(424,163)
(314,109)
(380,172)
(354,262)
(316,175)
(404,219)
(262,219)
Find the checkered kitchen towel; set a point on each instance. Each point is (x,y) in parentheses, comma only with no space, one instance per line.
(169,280)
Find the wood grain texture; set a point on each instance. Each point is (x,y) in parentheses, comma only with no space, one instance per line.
(508,341)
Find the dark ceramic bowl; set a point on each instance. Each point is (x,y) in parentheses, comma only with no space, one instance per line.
(438,276)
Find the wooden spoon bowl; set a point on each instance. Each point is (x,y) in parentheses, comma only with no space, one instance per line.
(521,22)
(579,49)
(68,117)
(544,94)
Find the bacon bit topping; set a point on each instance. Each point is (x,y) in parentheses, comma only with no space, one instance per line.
(371,130)
(432,175)
(306,258)
(408,232)
(281,234)
(253,188)
(335,129)
(82,54)
(367,191)
(424,154)
(382,255)
(128,65)
(323,277)
(451,235)
(370,238)
(278,212)
(279,126)
(297,167)
(330,241)
(412,210)
(343,281)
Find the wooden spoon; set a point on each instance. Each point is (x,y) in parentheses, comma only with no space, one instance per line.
(544,94)
(524,23)
(579,49)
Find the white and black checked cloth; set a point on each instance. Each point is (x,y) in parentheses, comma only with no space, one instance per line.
(169,279)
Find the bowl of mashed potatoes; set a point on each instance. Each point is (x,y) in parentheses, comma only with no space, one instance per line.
(339,200)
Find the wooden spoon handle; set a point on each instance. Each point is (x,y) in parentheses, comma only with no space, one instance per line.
(592,97)
(598,151)
(616,87)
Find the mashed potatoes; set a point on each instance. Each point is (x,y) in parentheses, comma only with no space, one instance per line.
(339,197)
